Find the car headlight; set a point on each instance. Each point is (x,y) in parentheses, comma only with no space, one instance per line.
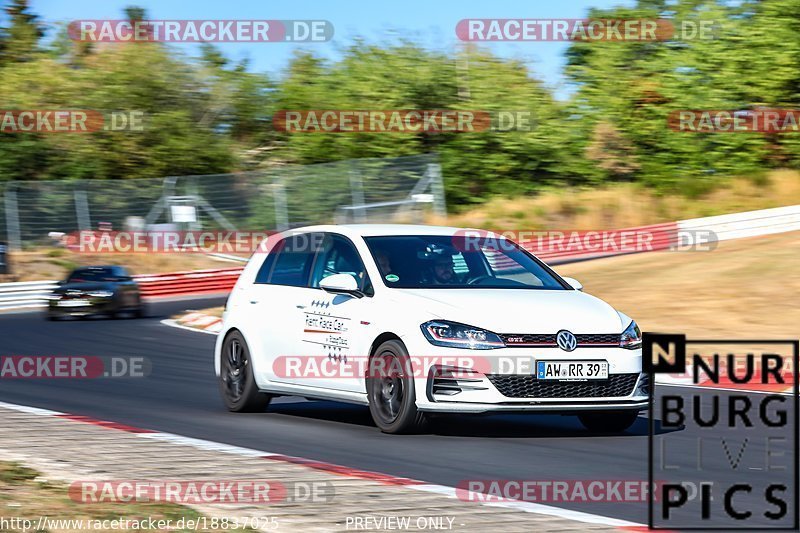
(631,338)
(455,335)
(100,294)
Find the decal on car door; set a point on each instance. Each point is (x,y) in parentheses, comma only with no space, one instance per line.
(327,332)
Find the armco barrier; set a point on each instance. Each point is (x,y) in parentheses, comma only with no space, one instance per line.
(28,294)
(663,236)
(747,224)
(192,282)
(617,242)
(33,294)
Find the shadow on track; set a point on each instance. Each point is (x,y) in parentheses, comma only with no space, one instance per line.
(493,426)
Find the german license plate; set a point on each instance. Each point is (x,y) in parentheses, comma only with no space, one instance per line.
(73,303)
(571,370)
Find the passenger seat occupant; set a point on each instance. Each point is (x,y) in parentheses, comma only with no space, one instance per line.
(384,265)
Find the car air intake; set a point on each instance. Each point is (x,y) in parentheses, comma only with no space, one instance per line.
(527,386)
(449,381)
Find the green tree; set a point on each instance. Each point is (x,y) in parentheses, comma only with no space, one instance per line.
(21,42)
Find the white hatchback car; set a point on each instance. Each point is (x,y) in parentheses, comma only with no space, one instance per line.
(412,320)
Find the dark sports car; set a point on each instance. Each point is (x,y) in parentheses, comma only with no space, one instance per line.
(96,290)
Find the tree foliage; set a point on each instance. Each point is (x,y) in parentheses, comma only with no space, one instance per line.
(210,115)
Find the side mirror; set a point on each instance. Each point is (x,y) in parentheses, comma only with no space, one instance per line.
(341,284)
(61,282)
(574,283)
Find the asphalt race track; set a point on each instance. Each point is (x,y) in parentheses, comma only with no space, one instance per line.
(180,396)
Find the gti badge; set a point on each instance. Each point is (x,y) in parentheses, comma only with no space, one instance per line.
(566,340)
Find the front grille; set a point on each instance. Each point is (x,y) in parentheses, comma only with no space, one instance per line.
(527,386)
(514,340)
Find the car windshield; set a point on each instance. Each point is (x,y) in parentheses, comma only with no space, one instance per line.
(95,274)
(435,262)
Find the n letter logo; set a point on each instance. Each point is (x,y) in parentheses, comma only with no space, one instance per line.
(664,353)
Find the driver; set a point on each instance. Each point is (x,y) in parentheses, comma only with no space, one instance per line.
(443,270)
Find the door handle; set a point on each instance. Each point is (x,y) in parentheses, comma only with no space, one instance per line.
(253,301)
(300,306)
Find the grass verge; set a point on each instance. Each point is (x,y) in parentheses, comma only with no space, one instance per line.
(25,495)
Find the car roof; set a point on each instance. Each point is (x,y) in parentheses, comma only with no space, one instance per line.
(375,230)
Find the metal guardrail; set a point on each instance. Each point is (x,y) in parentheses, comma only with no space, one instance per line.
(29,294)
(191,282)
(33,294)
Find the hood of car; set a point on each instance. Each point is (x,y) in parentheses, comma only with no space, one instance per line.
(515,310)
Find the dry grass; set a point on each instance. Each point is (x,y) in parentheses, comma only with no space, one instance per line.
(744,288)
(26,496)
(56,263)
(626,205)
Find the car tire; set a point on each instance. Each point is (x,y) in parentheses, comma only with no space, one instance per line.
(391,394)
(608,421)
(52,317)
(237,383)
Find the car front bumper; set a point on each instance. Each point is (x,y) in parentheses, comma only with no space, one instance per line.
(482,391)
(83,307)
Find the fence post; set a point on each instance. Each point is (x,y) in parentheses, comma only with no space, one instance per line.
(12,219)
(82,210)
(281,211)
(357,194)
(437,186)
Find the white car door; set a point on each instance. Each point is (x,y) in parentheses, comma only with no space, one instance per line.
(275,299)
(335,335)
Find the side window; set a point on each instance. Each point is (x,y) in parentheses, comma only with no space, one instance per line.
(339,256)
(266,266)
(293,262)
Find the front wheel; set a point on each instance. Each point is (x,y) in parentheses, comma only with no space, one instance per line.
(237,383)
(608,421)
(390,390)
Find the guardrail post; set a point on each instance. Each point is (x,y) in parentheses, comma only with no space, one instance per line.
(82,210)
(434,173)
(357,195)
(12,219)
(281,212)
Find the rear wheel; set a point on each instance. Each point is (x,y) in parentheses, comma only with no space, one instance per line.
(237,383)
(390,390)
(608,421)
